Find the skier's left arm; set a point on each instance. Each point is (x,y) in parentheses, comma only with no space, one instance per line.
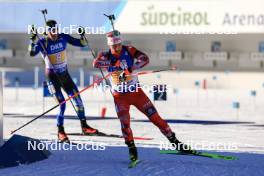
(141,59)
(74,41)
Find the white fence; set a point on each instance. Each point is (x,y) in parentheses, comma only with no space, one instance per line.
(1,111)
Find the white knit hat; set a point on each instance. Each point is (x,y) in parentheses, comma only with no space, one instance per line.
(113,37)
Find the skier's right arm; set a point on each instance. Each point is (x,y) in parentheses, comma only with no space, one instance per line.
(33,48)
(102,60)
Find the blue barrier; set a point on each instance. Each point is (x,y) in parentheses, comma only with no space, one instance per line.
(15,152)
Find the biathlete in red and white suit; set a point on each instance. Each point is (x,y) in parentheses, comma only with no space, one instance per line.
(121,61)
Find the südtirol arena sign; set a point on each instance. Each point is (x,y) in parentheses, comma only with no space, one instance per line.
(175,18)
(188,17)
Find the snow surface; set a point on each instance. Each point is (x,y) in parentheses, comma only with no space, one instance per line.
(196,116)
(113,161)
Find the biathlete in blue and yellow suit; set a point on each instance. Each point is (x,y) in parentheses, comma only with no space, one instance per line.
(55,59)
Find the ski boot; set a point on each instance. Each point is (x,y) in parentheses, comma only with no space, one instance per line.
(133,155)
(62,136)
(180,146)
(86,129)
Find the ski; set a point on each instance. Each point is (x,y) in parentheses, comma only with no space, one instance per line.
(96,134)
(202,154)
(101,134)
(133,164)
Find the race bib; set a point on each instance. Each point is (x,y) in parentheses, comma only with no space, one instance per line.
(57,58)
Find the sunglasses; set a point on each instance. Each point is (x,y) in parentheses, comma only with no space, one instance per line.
(52,29)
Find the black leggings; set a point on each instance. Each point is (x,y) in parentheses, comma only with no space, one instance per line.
(64,81)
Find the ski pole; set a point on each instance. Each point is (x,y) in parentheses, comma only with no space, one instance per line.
(94,56)
(44,13)
(111,18)
(95,82)
(69,98)
(153,71)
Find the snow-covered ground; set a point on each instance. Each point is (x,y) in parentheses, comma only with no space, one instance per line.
(113,161)
(200,118)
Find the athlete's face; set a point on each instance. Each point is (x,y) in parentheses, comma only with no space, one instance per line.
(116,49)
(53,33)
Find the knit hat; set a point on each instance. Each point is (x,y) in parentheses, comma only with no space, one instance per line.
(113,37)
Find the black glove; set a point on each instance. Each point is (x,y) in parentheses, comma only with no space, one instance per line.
(81,31)
(122,76)
(33,33)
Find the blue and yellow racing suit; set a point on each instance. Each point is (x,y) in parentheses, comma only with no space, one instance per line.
(54,56)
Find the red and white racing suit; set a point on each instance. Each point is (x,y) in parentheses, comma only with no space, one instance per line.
(124,90)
